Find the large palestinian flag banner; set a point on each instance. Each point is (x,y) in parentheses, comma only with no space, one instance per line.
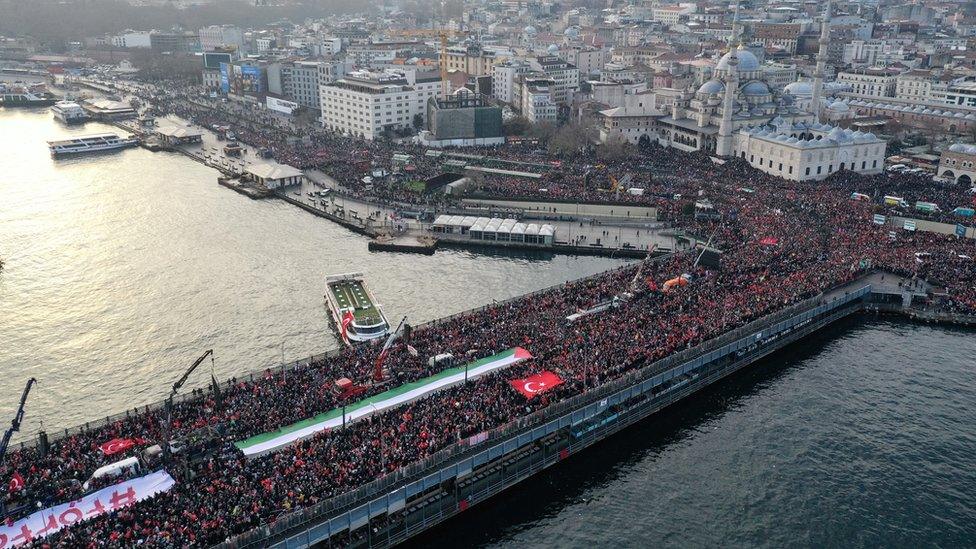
(275,440)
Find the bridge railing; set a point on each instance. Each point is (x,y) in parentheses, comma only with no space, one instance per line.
(309,517)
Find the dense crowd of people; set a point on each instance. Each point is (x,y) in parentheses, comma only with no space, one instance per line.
(782,242)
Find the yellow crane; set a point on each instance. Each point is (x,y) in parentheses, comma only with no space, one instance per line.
(443,35)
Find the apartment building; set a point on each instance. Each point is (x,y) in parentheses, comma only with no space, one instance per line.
(504,77)
(873,82)
(369,104)
(537,103)
(564,76)
(219,36)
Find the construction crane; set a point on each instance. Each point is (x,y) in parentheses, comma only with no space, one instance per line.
(169,402)
(15,424)
(443,35)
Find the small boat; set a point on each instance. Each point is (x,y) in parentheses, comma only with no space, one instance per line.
(348,296)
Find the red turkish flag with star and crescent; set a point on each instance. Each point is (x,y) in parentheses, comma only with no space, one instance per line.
(539,383)
(346,321)
(16,482)
(117,445)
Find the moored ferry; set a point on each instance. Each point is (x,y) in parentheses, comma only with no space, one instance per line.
(356,314)
(26,99)
(90,143)
(69,112)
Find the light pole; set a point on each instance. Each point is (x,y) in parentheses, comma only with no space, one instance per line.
(382,443)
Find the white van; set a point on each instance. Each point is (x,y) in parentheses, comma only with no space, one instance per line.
(119,468)
(439,359)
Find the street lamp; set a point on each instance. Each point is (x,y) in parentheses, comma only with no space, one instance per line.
(382,444)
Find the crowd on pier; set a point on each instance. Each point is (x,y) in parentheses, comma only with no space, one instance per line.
(781,243)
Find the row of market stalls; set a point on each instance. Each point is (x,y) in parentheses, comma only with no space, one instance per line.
(494,229)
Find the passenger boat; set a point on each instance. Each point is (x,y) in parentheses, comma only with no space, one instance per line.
(26,99)
(91,143)
(69,112)
(347,296)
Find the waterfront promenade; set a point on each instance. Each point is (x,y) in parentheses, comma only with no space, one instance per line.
(597,230)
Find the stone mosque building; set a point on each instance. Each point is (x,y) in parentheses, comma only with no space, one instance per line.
(736,114)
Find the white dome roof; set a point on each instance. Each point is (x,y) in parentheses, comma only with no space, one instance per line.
(839,106)
(529,30)
(799,88)
(747,61)
(755,88)
(712,86)
(963,148)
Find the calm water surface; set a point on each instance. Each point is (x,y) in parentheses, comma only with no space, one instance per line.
(862,437)
(122,268)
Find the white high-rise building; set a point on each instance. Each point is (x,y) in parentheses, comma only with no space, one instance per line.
(368,104)
(564,75)
(504,79)
(216,36)
(132,39)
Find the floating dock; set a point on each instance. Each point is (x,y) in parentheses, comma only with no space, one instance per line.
(425,245)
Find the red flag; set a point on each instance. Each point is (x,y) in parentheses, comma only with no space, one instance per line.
(16,482)
(378,370)
(346,321)
(769,241)
(117,445)
(539,383)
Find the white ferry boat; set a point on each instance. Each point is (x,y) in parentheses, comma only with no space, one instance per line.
(91,143)
(348,297)
(69,112)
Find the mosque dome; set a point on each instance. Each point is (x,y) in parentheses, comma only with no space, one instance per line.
(755,88)
(553,49)
(839,106)
(572,32)
(529,29)
(711,87)
(963,148)
(747,61)
(799,88)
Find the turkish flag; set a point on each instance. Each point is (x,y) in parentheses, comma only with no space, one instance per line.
(117,445)
(769,241)
(346,321)
(539,383)
(16,482)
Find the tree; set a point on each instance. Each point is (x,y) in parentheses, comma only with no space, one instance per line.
(418,122)
(932,129)
(305,116)
(615,148)
(543,131)
(518,125)
(570,139)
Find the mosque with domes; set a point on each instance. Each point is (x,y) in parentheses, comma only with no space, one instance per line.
(735,113)
(695,120)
